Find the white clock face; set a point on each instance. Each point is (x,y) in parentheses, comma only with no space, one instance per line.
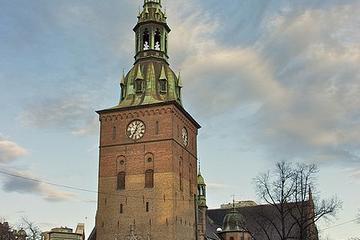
(185,137)
(135,130)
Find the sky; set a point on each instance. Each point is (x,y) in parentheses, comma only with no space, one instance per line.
(268,80)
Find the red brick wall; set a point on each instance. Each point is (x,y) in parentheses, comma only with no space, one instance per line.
(171,209)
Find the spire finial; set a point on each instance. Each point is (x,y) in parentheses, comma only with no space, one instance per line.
(162,73)
(139,74)
(233,203)
(199,170)
(122,82)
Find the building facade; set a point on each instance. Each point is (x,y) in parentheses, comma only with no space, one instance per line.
(245,220)
(148,146)
(65,233)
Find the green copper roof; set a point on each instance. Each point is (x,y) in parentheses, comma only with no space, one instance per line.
(150,80)
(150,73)
(152,11)
(233,222)
(200,180)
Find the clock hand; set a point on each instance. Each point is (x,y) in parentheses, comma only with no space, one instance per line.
(135,130)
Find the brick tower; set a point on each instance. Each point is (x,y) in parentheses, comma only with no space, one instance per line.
(148,147)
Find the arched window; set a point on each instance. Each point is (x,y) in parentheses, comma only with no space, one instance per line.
(157,40)
(121,180)
(149,178)
(146,40)
(231,238)
(166,44)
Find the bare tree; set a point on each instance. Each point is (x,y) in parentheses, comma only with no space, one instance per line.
(33,230)
(307,210)
(288,190)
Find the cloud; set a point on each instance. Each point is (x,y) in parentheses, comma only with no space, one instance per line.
(72,113)
(10,151)
(217,186)
(356,174)
(317,65)
(23,185)
(90,127)
(301,74)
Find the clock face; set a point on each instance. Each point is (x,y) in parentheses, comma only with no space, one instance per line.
(185,137)
(135,130)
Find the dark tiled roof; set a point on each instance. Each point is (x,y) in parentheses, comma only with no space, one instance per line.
(92,235)
(257,220)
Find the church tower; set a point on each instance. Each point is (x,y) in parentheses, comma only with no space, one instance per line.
(148,146)
(202,207)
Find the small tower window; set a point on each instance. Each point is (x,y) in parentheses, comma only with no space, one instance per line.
(139,85)
(163,85)
(149,178)
(147,207)
(166,44)
(121,208)
(146,40)
(157,127)
(157,40)
(121,180)
(114,133)
(181,183)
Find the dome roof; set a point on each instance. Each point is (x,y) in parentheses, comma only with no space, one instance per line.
(150,73)
(22,232)
(233,222)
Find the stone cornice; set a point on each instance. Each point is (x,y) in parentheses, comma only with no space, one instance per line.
(146,109)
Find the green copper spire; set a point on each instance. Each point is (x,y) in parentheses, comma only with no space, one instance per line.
(162,74)
(201,195)
(150,80)
(139,75)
